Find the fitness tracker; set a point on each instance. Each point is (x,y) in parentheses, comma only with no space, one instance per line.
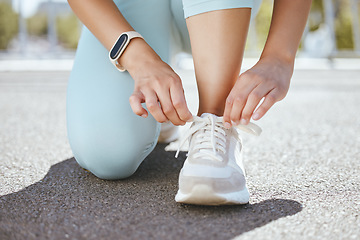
(119,47)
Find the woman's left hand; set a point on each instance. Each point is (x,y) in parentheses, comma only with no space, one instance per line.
(269,79)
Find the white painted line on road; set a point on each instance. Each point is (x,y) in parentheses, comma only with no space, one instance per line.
(36,65)
(185,63)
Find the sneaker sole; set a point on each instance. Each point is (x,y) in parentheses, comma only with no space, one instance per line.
(202,194)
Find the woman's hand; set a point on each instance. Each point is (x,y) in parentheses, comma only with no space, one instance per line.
(269,79)
(156,84)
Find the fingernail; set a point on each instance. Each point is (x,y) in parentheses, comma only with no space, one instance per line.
(243,121)
(235,123)
(256,116)
(227,125)
(144,115)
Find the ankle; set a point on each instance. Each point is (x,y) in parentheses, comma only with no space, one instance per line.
(216,111)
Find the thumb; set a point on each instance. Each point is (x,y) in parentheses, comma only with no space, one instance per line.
(135,102)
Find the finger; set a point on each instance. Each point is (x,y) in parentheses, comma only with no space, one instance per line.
(179,103)
(237,108)
(227,111)
(168,108)
(237,99)
(135,102)
(153,106)
(270,100)
(253,100)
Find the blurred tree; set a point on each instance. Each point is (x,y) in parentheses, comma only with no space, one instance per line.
(342,21)
(37,25)
(8,24)
(263,20)
(343,25)
(67,28)
(316,16)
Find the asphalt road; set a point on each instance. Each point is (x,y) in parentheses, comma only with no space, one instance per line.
(303,171)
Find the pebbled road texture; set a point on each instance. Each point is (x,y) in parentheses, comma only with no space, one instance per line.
(303,171)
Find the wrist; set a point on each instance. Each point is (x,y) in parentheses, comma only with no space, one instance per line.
(136,52)
(284,57)
(282,64)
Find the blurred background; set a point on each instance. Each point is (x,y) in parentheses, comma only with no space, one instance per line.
(47,29)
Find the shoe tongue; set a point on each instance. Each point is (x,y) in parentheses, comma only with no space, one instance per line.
(204,115)
(211,116)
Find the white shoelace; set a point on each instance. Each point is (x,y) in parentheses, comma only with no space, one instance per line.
(212,138)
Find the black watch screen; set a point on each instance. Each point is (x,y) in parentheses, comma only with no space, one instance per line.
(118,46)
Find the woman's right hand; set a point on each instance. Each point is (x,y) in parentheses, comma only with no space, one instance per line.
(156,85)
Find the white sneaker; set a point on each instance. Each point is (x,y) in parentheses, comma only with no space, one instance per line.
(213,173)
(168,133)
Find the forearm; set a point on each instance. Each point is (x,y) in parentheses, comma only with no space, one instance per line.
(270,78)
(287,25)
(105,21)
(102,18)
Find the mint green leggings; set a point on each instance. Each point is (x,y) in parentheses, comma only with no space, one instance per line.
(106,137)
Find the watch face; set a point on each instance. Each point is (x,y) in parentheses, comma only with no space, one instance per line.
(118,46)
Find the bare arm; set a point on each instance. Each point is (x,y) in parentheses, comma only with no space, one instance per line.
(287,26)
(106,22)
(102,18)
(270,77)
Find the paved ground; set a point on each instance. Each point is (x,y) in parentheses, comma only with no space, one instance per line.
(303,171)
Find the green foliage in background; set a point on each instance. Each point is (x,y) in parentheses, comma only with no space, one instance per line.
(67,29)
(8,24)
(343,21)
(37,25)
(342,24)
(263,20)
(316,16)
(343,27)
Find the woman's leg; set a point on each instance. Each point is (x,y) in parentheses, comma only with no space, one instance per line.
(106,137)
(212,173)
(218,40)
(213,89)
(181,31)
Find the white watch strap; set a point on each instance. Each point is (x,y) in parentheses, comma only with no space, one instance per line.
(131,35)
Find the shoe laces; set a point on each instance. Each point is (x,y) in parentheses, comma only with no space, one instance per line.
(211,138)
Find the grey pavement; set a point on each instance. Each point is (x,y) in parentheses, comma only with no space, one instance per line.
(303,172)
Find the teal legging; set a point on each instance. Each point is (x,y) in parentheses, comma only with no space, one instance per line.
(106,137)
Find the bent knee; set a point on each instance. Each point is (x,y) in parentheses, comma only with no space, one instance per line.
(113,168)
(112,162)
(112,151)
